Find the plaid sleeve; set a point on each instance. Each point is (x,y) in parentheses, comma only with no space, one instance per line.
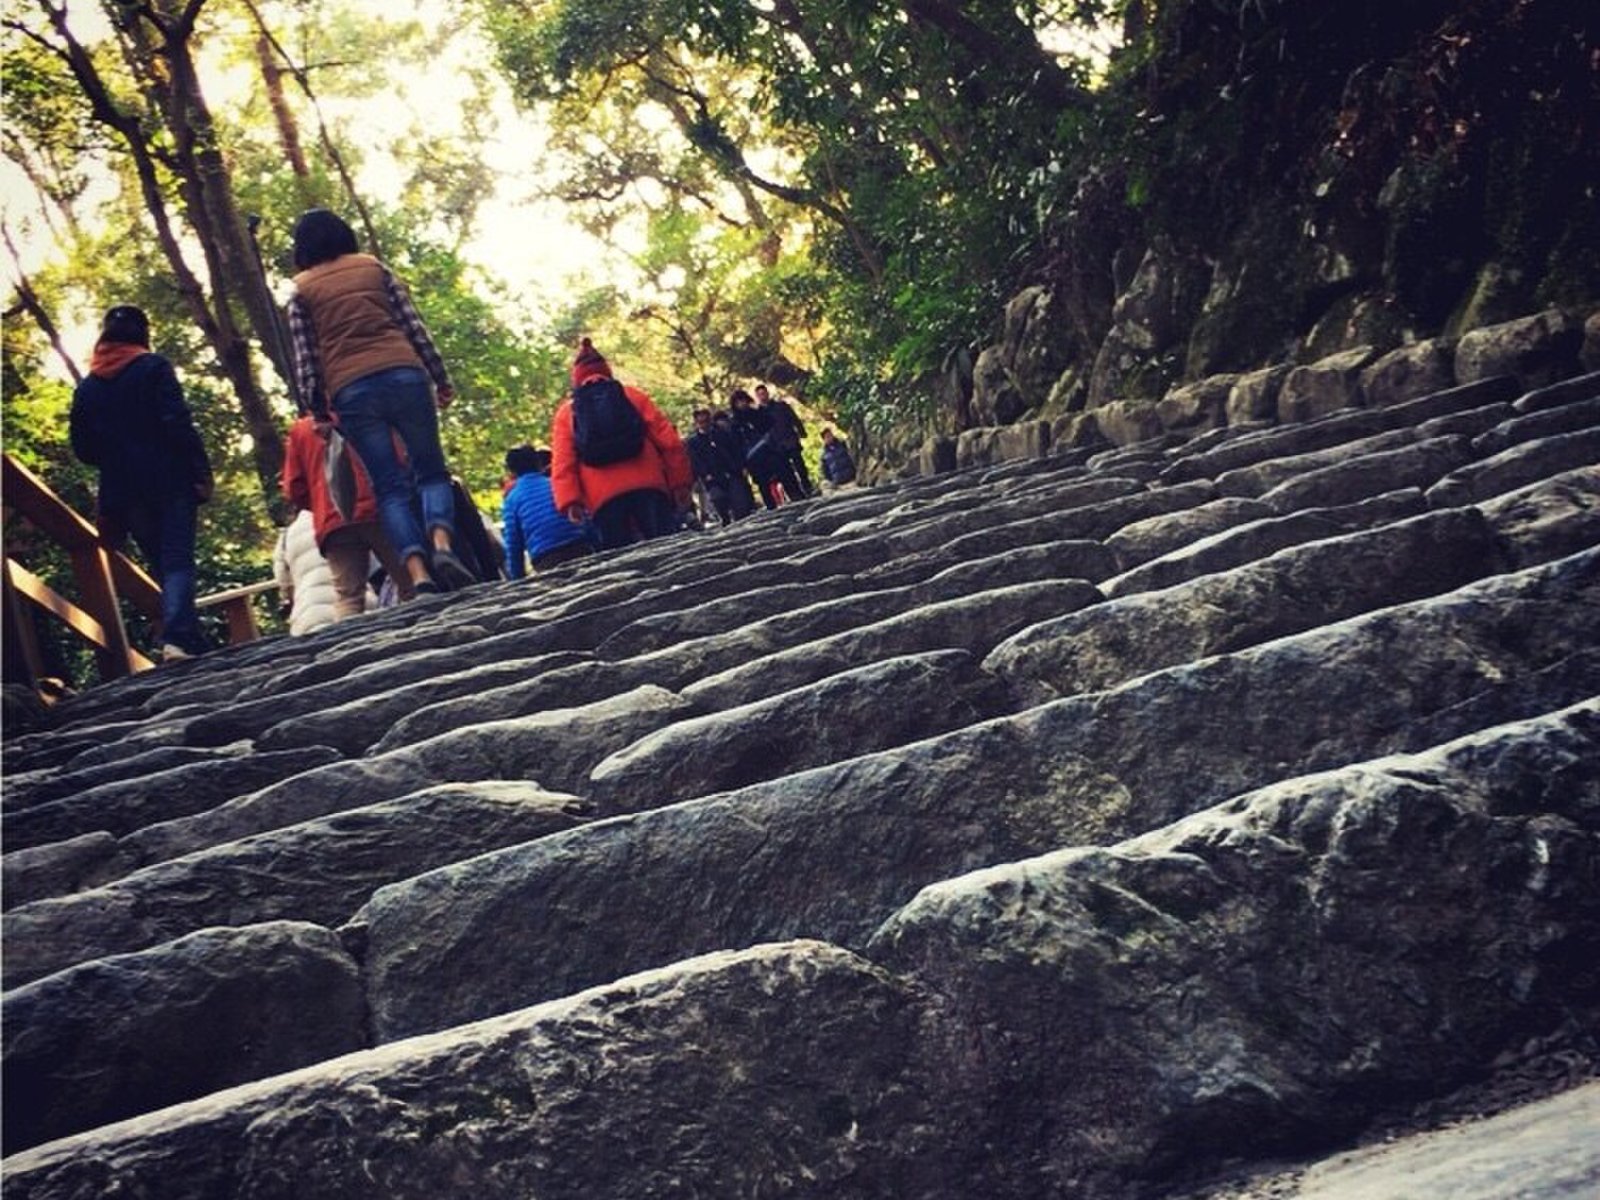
(307,365)
(416,331)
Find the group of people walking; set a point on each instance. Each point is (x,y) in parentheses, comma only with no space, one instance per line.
(363,463)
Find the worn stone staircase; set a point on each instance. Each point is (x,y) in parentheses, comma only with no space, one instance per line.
(1082,825)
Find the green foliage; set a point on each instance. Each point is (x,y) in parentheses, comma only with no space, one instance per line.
(915,158)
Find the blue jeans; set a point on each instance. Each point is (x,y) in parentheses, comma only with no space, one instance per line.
(164,531)
(374,410)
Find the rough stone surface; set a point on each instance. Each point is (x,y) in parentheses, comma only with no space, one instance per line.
(1325,386)
(556,748)
(1545,422)
(1549,519)
(1482,856)
(1521,464)
(125,1035)
(1293,590)
(1579,387)
(122,806)
(854,712)
(975,623)
(60,867)
(1537,350)
(819,853)
(1239,544)
(1141,541)
(1543,1151)
(1418,465)
(1409,371)
(27,789)
(1317,820)
(321,870)
(1254,397)
(1258,478)
(609,1093)
(1197,406)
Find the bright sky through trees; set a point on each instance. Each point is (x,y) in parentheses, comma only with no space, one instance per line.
(519,240)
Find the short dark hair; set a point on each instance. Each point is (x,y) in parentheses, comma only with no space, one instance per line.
(740,394)
(321,236)
(126,323)
(525,460)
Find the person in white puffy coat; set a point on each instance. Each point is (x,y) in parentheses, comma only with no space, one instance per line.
(305,581)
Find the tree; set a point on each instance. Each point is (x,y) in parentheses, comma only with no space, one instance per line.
(906,144)
(167,132)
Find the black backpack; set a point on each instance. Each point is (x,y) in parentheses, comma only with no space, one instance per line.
(606,427)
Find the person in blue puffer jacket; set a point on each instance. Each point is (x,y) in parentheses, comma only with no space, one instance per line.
(531,526)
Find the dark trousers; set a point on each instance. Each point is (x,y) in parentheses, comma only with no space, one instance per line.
(797,464)
(731,498)
(569,552)
(635,516)
(164,531)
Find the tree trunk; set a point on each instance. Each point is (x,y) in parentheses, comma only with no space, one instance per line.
(204,183)
(271,51)
(288,131)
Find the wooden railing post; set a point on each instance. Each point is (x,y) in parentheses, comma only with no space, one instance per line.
(91,567)
(21,636)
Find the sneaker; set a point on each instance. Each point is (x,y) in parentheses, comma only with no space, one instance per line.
(426,588)
(171,652)
(451,572)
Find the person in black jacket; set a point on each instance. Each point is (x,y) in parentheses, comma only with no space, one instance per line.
(718,464)
(788,433)
(129,421)
(763,458)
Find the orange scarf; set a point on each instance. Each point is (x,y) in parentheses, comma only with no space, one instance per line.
(111,358)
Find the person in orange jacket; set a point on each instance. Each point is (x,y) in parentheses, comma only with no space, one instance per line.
(630,500)
(347,542)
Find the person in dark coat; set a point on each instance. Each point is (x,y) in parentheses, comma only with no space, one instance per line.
(837,466)
(129,421)
(788,433)
(719,466)
(763,458)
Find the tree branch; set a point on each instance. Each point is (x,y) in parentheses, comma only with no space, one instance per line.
(31,304)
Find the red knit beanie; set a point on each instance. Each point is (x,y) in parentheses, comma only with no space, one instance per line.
(589,363)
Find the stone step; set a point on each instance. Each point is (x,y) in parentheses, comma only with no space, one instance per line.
(1241,945)
(830,851)
(123,806)
(1273,966)
(320,870)
(556,748)
(136,1032)
(1311,685)
(1293,590)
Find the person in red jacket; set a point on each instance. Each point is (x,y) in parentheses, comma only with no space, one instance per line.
(631,500)
(347,543)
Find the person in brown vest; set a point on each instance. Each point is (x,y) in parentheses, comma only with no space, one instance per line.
(363,361)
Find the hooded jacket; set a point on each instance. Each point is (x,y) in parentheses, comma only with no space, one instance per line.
(129,420)
(305,481)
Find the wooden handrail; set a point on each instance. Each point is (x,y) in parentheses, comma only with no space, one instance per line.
(30,587)
(103,576)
